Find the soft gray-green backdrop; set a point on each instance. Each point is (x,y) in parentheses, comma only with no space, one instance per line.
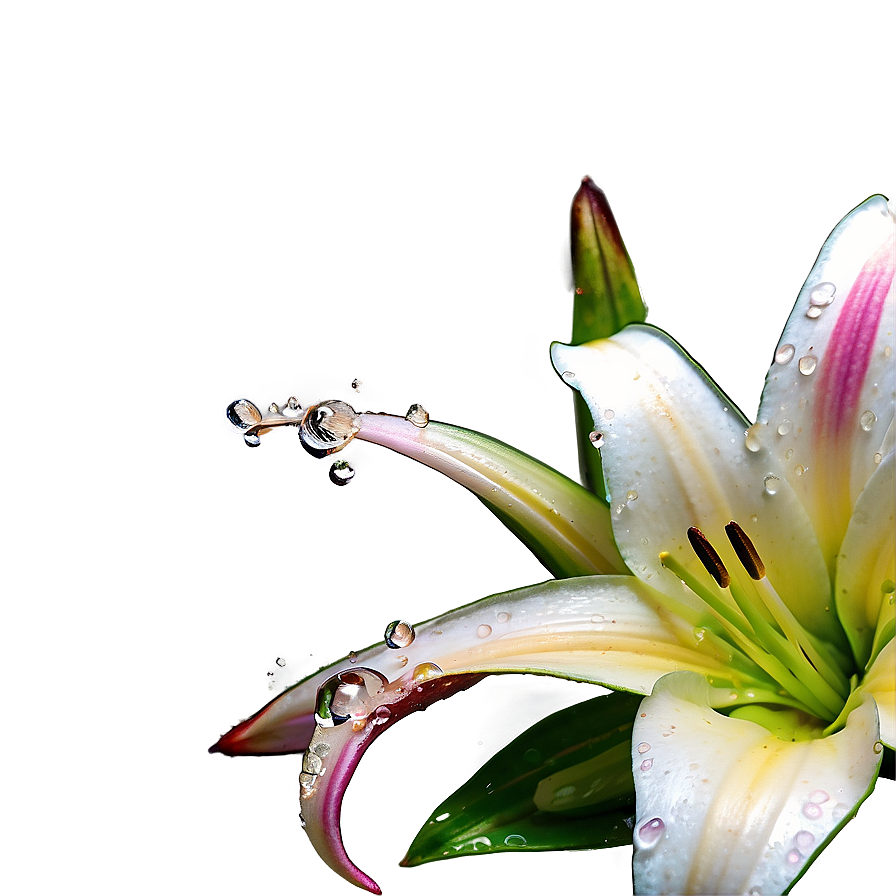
(202,201)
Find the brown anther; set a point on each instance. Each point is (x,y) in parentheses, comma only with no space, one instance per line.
(708,557)
(746,553)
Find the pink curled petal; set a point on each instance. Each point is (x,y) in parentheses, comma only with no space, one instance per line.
(334,754)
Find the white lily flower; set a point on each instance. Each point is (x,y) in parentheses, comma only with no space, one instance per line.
(757,617)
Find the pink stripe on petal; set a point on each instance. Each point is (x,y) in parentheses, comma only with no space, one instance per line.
(844,365)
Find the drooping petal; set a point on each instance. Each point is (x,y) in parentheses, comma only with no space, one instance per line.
(561,522)
(674,456)
(726,806)
(609,630)
(865,565)
(829,394)
(335,751)
(880,683)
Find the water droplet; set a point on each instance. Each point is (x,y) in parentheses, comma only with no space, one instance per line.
(426,671)
(243,414)
(293,403)
(813,312)
(752,441)
(302,821)
(328,426)
(352,656)
(803,840)
(878,747)
(788,454)
(341,472)
(516,840)
(381,715)
(273,408)
(646,764)
(771,484)
(280,661)
(609,414)
(532,755)
(784,427)
(252,439)
(867,420)
(596,439)
(563,793)
(399,634)
(322,749)
(807,364)
(651,831)
(311,763)
(503,617)
(598,618)
(799,469)
(699,634)
(402,661)
(838,813)
(357,384)
(822,295)
(812,810)
(443,817)
(784,355)
(643,748)
(568,375)
(484,630)
(819,796)
(754,518)
(631,496)
(794,857)
(418,415)
(878,457)
(347,696)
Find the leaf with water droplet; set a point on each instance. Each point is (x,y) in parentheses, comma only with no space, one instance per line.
(565,783)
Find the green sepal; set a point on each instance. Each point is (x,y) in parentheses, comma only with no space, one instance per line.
(606,299)
(565,783)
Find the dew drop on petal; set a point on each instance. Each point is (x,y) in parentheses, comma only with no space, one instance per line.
(568,375)
(784,355)
(878,747)
(878,457)
(788,454)
(799,469)
(807,364)
(646,764)
(651,831)
(484,630)
(280,661)
(242,413)
(699,634)
(381,715)
(784,427)
(426,671)
(822,295)
(803,841)
(794,857)
(341,472)
(631,496)
(812,810)
(398,634)
(598,618)
(771,484)
(819,796)
(752,442)
(418,415)
(813,312)
(867,420)
(596,439)
(503,617)
(643,747)
(609,414)
(838,813)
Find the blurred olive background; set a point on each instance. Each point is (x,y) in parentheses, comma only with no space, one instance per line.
(206,201)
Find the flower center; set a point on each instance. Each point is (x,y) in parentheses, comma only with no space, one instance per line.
(755,620)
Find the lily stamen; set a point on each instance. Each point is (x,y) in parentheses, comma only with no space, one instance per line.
(708,557)
(746,552)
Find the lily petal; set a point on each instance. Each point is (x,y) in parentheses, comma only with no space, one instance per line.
(750,811)
(880,683)
(674,457)
(560,521)
(829,394)
(865,565)
(608,630)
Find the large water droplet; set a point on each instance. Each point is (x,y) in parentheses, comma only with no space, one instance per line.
(867,420)
(784,427)
(596,439)
(341,472)
(651,831)
(822,295)
(399,634)
(328,426)
(807,364)
(752,441)
(418,415)
(426,671)
(243,413)
(347,695)
(784,354)
(771,483)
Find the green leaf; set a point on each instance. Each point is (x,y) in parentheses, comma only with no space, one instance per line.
(606,299)
(565,783)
